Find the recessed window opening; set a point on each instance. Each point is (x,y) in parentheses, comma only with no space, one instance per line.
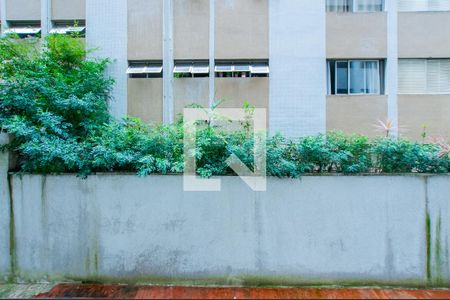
(24,29)
(242,69)
(191,68)
(424,76)
(69,27)
(354,5)
(145,69)
(356,77)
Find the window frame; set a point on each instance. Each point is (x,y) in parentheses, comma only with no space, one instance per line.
(145,69)
(349,61)
(336,77)
(354,10)
(200,69)
(235,68)
(354,5)
(24,29)
(191,68)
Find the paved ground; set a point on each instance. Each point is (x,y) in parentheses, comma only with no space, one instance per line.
(158,292)
(22,291)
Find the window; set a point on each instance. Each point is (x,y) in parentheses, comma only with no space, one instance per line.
(259,69)
(424,76)
(355,77)
(423,5)
(354,5)
(24,29)
(69,27)
(341,77)
(242,69)
(145,69)
(186,69)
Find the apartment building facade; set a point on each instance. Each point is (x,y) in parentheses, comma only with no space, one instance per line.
(316,65)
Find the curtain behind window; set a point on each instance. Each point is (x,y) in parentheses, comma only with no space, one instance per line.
(369,5)
(339,5)
(372,77)
(357,77)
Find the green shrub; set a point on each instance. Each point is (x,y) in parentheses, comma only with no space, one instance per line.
(54,103)
(52,100)
(403,156)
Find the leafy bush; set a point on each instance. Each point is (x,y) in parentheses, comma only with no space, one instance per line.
(54,103)
(51,101)
(403,156)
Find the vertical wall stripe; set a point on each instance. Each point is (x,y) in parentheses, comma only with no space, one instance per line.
(297,103)
(5,198)
(3,15)
(107,23)
(212,49)
(392,63)
(46,16)
(168,63)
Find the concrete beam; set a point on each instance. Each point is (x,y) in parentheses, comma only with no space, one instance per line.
(168,63)
(212,49)
(107,23)
(3,15)
(297,104)
(392,64)
(46,16)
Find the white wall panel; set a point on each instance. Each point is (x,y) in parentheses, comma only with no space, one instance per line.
(107,32)
(297,102)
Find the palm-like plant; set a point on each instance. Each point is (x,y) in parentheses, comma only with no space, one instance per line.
(385,127)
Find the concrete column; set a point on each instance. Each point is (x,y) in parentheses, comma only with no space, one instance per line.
(107,24)
(392,64)
(168,64)
(5,257)
(297,102)
(212,49)
(3,15)
(46,17)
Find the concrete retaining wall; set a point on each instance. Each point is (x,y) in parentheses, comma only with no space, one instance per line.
(320,229)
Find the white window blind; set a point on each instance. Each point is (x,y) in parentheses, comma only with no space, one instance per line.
(424,76)
(412,76)
(424,5)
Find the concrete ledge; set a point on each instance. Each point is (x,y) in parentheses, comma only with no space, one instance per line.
(358,230)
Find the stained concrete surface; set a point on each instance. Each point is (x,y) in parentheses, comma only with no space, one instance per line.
(23,291)
(180,292)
